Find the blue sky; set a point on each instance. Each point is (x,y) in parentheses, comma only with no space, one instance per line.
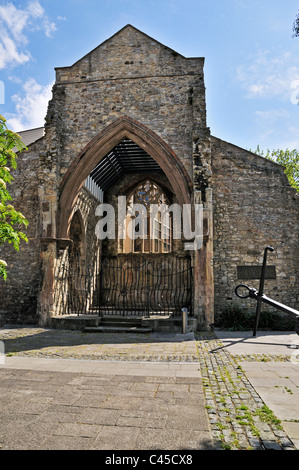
(251,58)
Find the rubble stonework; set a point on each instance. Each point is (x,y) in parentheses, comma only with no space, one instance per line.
(131,86)
(254,207)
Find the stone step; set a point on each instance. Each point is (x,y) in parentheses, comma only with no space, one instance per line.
(119,325)
(124,323)
(118,329)
(120,321)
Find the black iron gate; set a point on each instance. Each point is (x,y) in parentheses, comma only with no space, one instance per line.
(134,285)
(124,285)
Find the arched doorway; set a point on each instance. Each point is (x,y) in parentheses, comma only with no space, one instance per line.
(98,149)
(150,275)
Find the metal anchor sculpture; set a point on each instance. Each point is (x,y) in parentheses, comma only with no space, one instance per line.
(260,297)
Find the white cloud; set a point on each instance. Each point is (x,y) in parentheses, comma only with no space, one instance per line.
(269,74)
(36,9)
(275,128)
(272,115)
(14,22)
(9,53)
(31,106)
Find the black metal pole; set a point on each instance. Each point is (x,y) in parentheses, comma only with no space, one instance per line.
(261,290)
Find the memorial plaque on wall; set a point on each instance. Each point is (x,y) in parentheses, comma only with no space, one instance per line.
(254,272)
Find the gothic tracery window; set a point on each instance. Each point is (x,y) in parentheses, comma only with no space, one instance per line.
(148,230)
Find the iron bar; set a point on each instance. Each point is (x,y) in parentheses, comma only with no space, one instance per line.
(124,285)
(260,297)
(139,286)
(261,289)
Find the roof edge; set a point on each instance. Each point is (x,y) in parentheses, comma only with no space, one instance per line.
(248,151)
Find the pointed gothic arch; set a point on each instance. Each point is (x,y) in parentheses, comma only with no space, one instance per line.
(94,151)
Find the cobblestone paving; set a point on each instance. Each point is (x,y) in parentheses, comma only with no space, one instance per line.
(38,342)
(238,417)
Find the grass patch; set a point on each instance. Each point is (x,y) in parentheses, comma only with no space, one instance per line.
(266,415)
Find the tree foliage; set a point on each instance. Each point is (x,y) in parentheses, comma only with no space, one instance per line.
(11,220)
(289,159)
(296,26)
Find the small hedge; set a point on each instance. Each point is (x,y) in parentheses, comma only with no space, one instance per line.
(234,318)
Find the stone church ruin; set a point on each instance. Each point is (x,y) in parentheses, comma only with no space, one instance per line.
(129,120)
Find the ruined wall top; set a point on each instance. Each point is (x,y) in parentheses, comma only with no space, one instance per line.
(129,53)
(133,75)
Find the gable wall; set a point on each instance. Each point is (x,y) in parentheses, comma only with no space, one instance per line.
(129,75)
(132,75)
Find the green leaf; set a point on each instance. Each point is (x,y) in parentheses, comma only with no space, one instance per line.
(289,159)
(11,220)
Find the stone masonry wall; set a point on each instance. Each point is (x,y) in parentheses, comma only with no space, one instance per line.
(130,74)
(254,207)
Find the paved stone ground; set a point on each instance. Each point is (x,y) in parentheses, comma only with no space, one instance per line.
(55,410)
(240,419)
(270,362)
(156,391)
(39,342)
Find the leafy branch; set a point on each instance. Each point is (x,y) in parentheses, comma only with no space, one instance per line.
(296,27)
(12,221)
(289,159)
